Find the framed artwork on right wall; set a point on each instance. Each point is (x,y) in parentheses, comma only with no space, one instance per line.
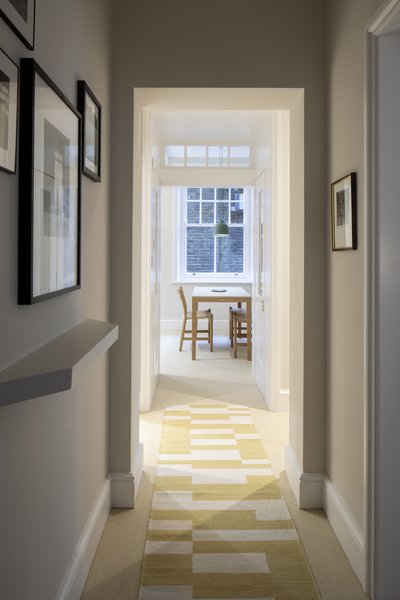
(344,213)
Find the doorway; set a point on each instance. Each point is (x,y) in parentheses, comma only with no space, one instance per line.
(146,102)
(234,155)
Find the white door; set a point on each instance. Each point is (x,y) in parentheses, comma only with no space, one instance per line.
(259,347)
(155,286)
(150,253)
(262,275)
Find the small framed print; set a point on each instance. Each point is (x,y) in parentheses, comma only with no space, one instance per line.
(344,213)
(20,16)
(90,109)
(8,112)
(49,247)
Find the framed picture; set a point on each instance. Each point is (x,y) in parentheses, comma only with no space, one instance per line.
(49,189)
(20,16)
(90,109)
(8,112)
(344,213)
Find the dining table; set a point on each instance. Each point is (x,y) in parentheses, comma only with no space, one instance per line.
(230,295)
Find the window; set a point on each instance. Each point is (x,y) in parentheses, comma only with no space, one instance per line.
(202,254)
(207,156)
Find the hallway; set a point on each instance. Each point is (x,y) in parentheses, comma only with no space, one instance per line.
(215,378)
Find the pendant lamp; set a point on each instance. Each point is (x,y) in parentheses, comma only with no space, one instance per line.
(221,230)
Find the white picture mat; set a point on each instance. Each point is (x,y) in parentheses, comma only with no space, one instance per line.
(91,134)
(26,28)
(342,214)
(55,213)
(7,155)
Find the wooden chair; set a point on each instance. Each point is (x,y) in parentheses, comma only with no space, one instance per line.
(238,328)
(201,314)
(231,311)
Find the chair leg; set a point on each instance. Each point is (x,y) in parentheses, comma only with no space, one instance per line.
(231,326)
(235,327)
(211,332)
(182,335)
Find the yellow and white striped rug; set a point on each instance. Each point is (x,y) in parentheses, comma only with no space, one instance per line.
(219,527)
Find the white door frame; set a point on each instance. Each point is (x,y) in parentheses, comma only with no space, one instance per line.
(280,268)
(384,21)
(155,99)
(258,219)
(145,288)
(148,377)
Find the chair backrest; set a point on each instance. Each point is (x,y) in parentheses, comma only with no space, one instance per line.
(183,300)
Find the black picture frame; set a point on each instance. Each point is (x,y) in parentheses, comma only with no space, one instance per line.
(49,246)
(90,109)
(20,16)
(344,213)
(9,96)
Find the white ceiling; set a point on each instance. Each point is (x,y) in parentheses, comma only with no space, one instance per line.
(244,126)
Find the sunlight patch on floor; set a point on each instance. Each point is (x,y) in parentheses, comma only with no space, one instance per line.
(214,377)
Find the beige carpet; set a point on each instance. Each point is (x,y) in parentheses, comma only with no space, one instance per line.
(219,527)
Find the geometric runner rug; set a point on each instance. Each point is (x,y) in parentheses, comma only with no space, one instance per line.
(219,527)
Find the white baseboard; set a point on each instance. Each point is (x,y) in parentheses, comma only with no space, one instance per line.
(173,325)
(77,572)
(307,487)
(293,472)
(346,529)
(283,401)
(312,490)
(125,486)
(138,469)
(122,490)
(315,490)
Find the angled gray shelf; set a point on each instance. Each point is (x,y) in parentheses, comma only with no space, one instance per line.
(57,366)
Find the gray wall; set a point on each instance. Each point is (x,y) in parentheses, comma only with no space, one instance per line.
(218,44)
(347,22)
(53,450)
(387,313)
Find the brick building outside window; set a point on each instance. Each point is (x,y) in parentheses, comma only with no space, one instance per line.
(205,255)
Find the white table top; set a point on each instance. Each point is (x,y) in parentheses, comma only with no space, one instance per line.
(219,291)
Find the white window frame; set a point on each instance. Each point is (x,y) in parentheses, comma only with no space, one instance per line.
(227,162)
(183,275)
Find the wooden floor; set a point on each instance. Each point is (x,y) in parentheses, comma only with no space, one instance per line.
(115,573)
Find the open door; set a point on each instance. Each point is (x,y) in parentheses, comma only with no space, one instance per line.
(271,272)
(150,277)
(261,301)
(155,285)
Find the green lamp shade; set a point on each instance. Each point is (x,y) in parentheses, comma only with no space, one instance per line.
(221,230)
